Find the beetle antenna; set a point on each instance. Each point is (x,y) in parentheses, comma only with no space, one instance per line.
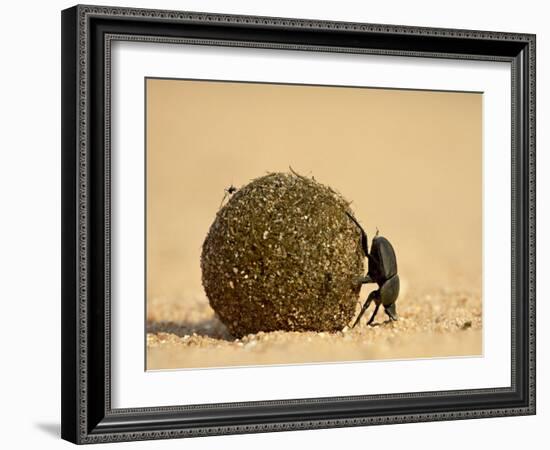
(376,235)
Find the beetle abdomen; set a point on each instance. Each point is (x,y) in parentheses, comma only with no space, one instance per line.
(385,261)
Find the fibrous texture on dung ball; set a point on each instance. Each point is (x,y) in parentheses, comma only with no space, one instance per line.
(283,255)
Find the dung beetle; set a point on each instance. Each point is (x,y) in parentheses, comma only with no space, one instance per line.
(382,271)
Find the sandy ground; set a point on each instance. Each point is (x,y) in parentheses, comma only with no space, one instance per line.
(409,161)
(439,324)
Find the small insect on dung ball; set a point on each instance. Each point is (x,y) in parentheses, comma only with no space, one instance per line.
(282,254)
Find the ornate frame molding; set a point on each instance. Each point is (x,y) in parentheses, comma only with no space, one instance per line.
(86,209)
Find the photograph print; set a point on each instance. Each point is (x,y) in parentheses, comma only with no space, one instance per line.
(299,224)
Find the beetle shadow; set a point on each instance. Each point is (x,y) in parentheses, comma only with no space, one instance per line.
(212,328)
(381,324)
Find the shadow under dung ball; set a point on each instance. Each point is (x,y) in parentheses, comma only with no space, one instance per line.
(283,255)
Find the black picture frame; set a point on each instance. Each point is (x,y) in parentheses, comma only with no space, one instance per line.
(87,415)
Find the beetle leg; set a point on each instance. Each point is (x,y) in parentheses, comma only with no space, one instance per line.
(364,239)
(363,309)
(389,292)
(373,314)
(390,311)
(373,295)
(366,279)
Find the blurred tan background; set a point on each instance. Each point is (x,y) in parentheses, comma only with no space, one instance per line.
(409,160)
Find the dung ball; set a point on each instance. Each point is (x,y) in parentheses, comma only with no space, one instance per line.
(283,255)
